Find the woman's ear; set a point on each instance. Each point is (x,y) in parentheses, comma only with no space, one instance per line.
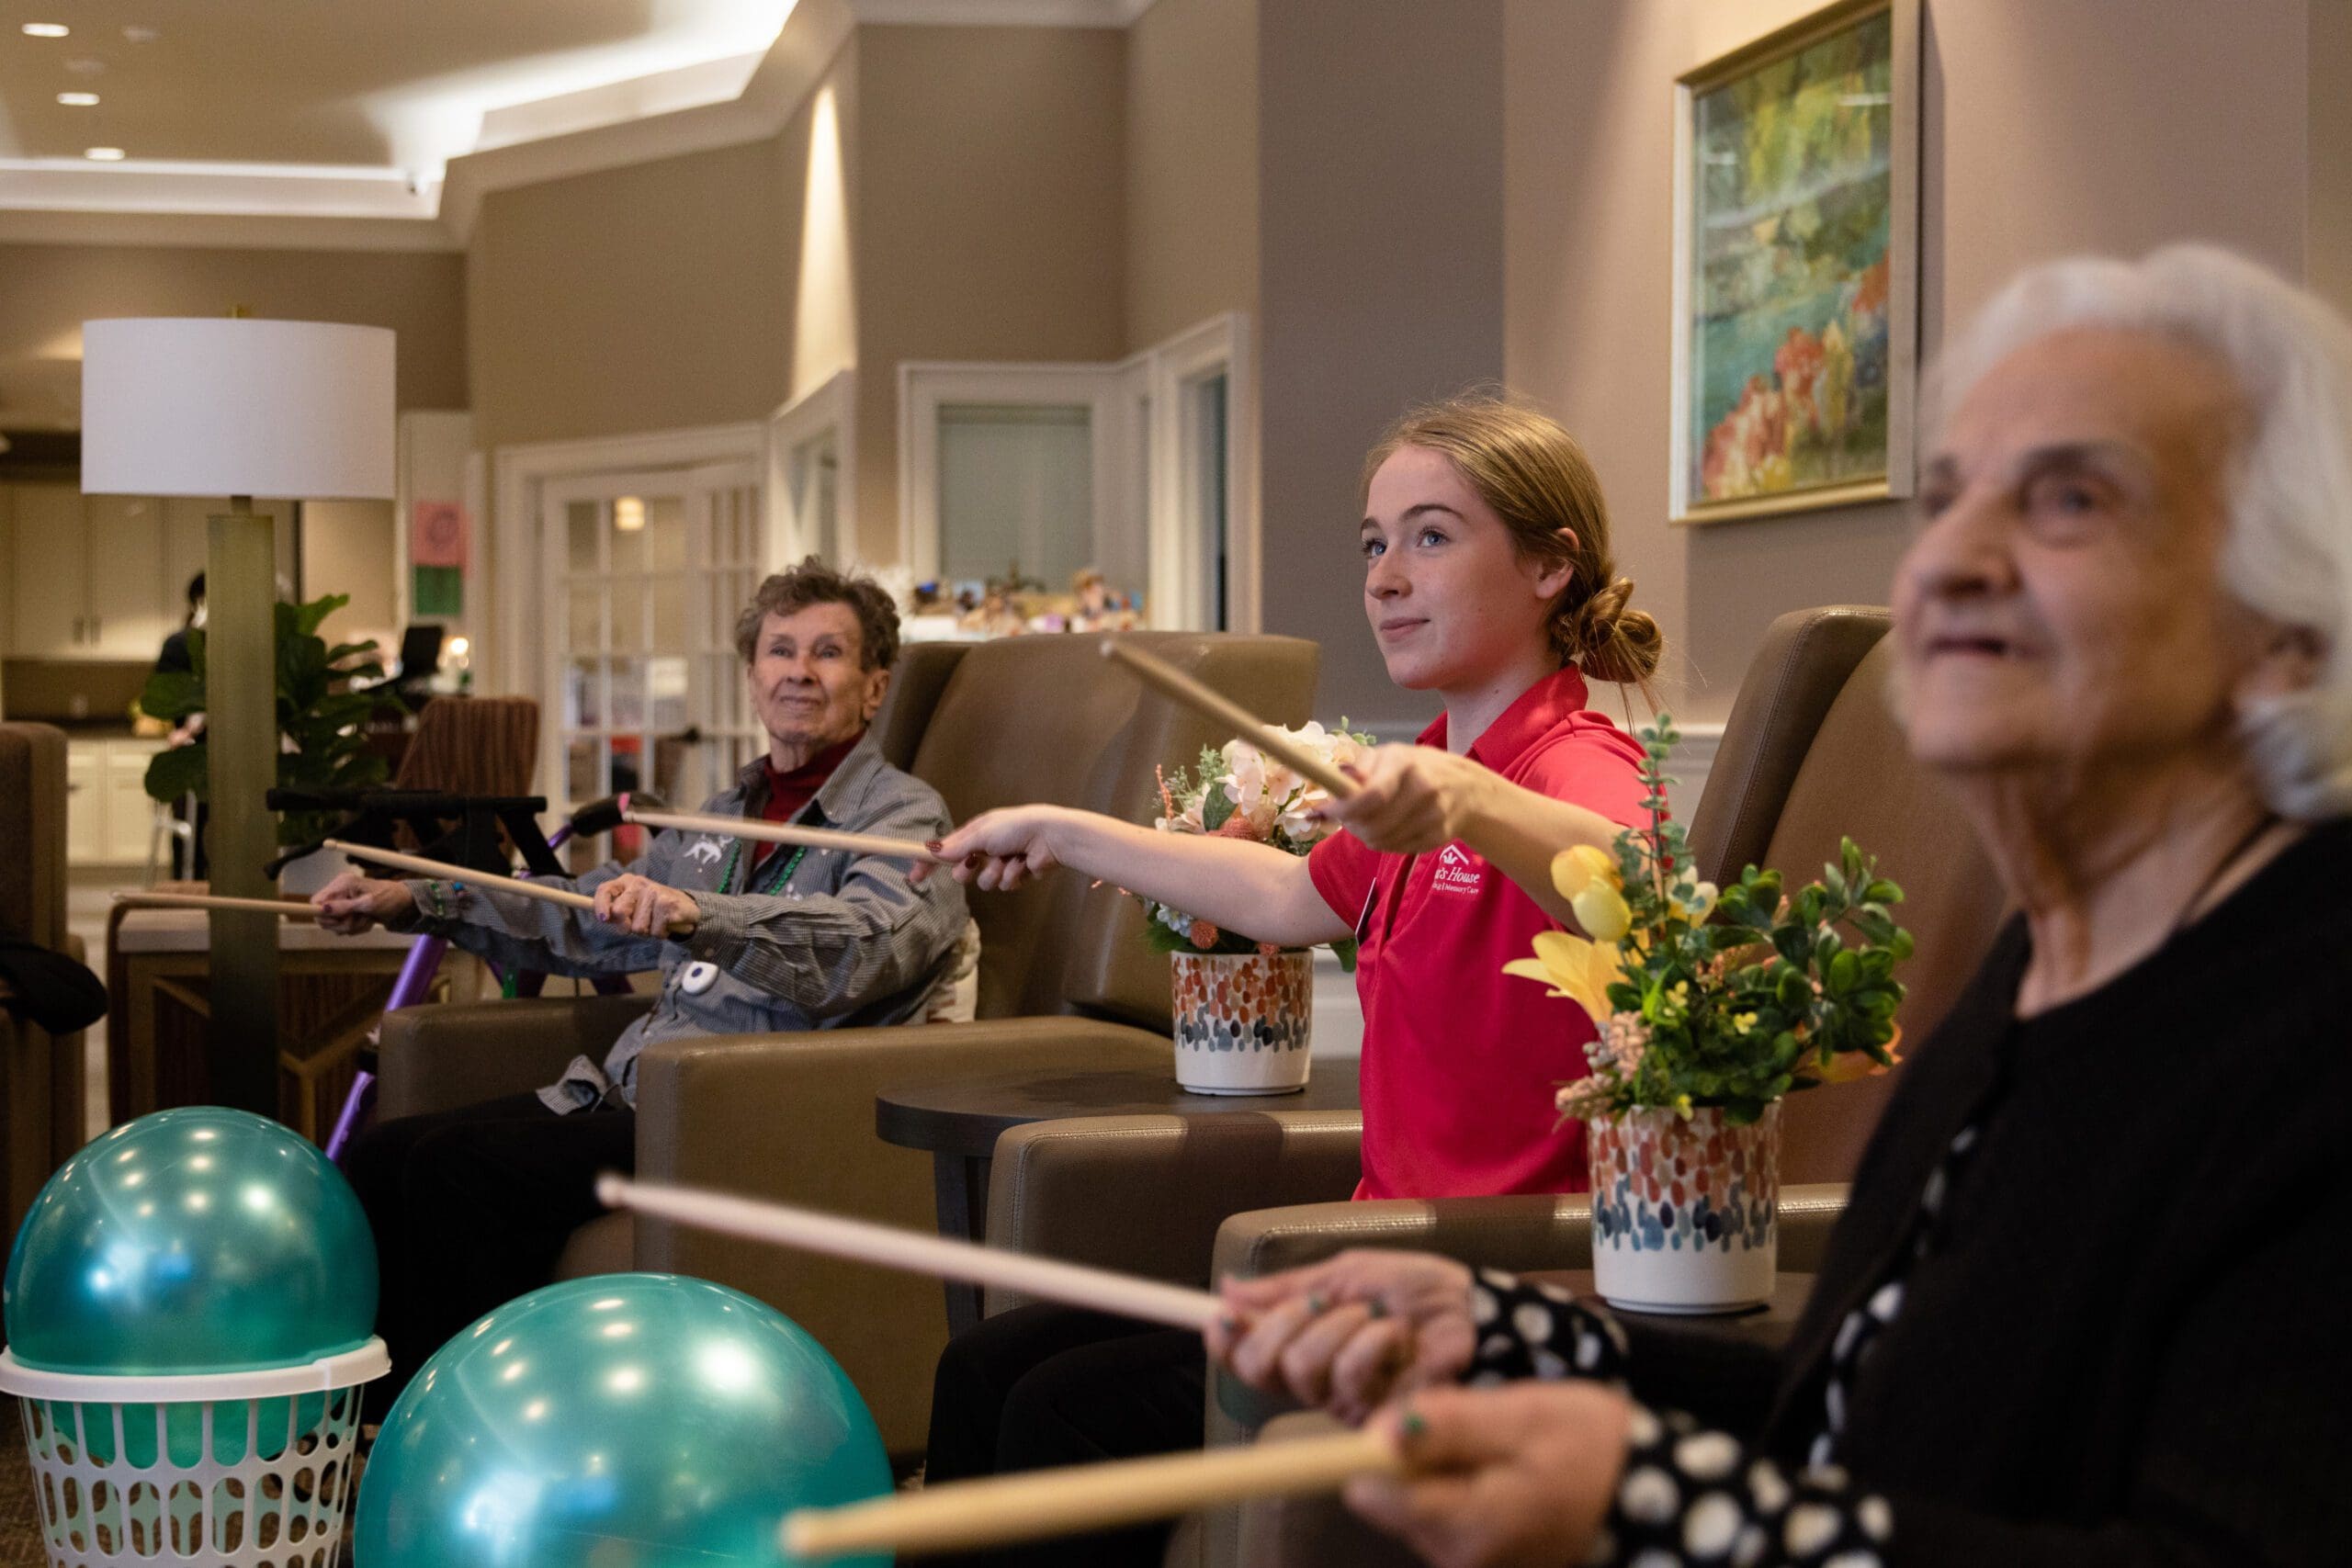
(2291,660)
(878,686)
(1554,580)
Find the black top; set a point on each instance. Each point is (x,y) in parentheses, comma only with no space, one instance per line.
(2128,1341)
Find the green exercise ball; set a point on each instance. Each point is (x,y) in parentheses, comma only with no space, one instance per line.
(202,1240)
(624,1420)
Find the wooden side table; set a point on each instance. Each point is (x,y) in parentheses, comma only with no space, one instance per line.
(332,991)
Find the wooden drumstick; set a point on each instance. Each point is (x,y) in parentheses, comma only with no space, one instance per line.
(1165,677)
(887,1246)
(961,1514)
(448,872)
(145,900)
(787,833)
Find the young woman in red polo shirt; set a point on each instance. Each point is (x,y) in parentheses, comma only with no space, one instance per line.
(1488,579)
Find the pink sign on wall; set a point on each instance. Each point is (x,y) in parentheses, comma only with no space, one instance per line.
(437,535)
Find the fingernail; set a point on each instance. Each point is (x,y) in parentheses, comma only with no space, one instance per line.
(934,844)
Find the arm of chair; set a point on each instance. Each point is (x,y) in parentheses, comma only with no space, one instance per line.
(437,1057)
(791,1118)
(1146,1194)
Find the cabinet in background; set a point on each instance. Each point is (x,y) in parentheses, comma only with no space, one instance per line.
(108,818)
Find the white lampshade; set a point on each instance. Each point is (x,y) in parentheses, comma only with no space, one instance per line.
(222,406)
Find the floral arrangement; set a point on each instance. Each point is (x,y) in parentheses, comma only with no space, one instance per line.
(1238,792)
(1729,999)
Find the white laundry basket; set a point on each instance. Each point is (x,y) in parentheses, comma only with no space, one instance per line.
(237,1470)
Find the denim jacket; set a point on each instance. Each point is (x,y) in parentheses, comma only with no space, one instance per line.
(815,940)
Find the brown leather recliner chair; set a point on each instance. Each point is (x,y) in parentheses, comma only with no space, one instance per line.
(1810,754)
(42,1081)
(1064,980)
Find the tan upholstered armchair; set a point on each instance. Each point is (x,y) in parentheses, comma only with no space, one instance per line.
(41,1077)
(1066,981)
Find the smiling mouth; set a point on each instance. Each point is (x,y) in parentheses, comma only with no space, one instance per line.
(1397,629)
(1973,646)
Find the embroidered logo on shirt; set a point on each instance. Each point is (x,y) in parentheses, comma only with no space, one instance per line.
(705,848)
(1458,871)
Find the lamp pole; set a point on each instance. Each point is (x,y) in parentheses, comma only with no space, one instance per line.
(240,737)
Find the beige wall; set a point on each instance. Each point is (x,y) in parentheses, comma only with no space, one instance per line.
(987,215)
(817,237)
(48,291)
(1192,174)
(640,299)
(2046,130)
(347,547)
(1380,221)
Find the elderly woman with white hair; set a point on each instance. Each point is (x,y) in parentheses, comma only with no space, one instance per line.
(2086,1305)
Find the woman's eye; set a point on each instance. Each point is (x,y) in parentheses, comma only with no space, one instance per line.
(2070,499)
(1432,535)
(1372,547)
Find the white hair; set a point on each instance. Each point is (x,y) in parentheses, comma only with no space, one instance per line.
(2289,553)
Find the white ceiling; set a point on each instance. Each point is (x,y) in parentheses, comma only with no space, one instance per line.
(346,100)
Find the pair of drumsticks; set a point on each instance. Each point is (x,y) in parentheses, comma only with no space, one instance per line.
(1154,670)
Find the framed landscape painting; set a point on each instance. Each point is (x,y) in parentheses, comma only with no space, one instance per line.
(1796,267)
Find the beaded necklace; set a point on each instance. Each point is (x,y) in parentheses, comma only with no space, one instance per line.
(735,852)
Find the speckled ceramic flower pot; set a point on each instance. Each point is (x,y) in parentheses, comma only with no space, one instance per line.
(1243,1021)
(1685,1213)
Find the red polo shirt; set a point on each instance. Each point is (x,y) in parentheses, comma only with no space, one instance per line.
(1461,1062)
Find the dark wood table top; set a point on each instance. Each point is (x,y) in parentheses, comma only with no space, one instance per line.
(963,1116)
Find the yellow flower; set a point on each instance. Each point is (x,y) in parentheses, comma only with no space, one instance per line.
(1587,877)
(1701,904)
(1579,970)
(1741,1023)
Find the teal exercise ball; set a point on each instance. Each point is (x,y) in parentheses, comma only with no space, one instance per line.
(624,1421)
(200,1240)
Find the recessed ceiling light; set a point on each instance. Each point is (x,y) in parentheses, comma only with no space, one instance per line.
(77,100)
(87,67)
(46,29)
(102,154)
(140,34)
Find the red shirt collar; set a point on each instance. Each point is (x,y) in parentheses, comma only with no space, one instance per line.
(1538,711)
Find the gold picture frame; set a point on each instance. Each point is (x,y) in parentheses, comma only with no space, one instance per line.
(1796,268)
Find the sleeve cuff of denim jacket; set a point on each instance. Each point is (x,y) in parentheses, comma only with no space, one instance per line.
(722,927)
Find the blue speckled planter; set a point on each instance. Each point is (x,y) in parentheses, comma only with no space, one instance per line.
(1685,1215)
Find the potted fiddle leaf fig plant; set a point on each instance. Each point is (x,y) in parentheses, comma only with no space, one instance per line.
(322,720)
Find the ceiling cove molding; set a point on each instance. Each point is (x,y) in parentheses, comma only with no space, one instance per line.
(999,13)
(222,231)
(67,201)
(786,79)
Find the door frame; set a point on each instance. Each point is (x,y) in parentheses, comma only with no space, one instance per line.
(831,405)
(518,473)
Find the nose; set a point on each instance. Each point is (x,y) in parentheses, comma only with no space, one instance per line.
(1386,580)
(1963,551)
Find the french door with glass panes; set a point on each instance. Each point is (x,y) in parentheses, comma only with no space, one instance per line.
(647,574)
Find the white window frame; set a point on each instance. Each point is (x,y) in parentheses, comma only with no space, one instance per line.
(1139,411)
(924,387)
(829,407)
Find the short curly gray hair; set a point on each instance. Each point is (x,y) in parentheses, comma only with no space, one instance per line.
(814,582)
(2288,555)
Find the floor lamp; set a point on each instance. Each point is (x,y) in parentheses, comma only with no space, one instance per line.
(239,408)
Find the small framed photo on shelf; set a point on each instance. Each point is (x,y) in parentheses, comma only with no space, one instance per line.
(1796,267)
